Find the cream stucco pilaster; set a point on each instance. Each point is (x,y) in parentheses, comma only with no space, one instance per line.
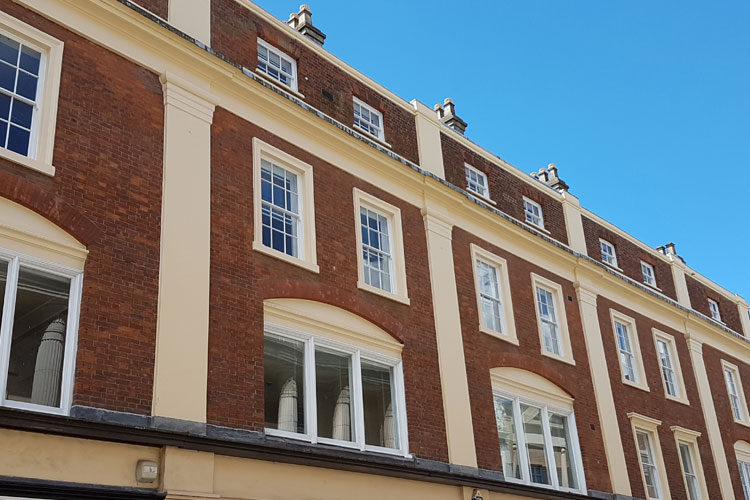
(453,378)
(192,17)
(744,317)
(709,415)
(680,283)
(574,223)
(428,140)
(605,402)
(182,316)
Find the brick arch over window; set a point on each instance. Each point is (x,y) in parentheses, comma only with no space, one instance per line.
(25,232)
(343,299)
(547,371)
(37,198)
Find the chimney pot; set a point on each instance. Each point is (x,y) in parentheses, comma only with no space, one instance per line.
(448,116)
(302,22)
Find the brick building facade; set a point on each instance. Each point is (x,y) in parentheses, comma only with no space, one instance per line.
(232,266)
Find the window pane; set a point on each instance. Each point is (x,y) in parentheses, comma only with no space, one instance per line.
(38,340)
(380,410)
(283,376)
(535,444)
(18,140)
(30,60)
(506,432)
(26,85)
(8,50)
(566,473)
(333,383)
(7,77)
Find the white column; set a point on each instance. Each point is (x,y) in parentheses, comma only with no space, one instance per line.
(712,424)
(459,428)
(574,223)
(428,140)
(182,323)
(192,17)
(605,402)
(45,389)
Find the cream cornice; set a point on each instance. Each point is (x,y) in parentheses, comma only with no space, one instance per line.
(131,34)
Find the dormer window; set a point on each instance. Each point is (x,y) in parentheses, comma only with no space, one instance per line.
(713,306)
(608,252)
(368,119)
(476,181)
(277,65)
(533,213)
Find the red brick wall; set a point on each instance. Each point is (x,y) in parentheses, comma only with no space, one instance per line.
(241,279)
(505,189)
(107,193)
(654,404)
(234,32)
(158,7)
(484,352)
(629,256)
(699,295)
(731,432)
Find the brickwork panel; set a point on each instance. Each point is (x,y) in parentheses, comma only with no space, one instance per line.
(699,295)
(731,432)
(107,193)
(505,189)
(234,33)
(654,404)
(158,7)
(484,352)
(629,256)
(241,279)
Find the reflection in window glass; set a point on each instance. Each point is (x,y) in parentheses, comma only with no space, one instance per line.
(283,376)
(535,443)
(3,281)
(19,79)
(506,432)
(38,339)
(380,429)
(334,396)
(691,479)
(566,474)
(648,465)
(489,291)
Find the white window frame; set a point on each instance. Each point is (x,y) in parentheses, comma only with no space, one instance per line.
(42,141)
(566,355)
(689,438)
(503,281)
(15,261)
(674,358)
(282,56)
(399,291)
(380,136)
(484,193)
(649,278)
(307,244)
(742,454)
(641,381)
(528,215)
(357,354)
(521,386)
(713,307)
(649,426)
(729,368)
(610,257)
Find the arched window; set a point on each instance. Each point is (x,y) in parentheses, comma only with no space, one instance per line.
(537,431)
(41,269)
(332,377)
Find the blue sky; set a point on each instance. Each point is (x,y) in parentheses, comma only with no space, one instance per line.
(643,105)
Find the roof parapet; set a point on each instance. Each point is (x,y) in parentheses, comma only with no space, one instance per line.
(302,22)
